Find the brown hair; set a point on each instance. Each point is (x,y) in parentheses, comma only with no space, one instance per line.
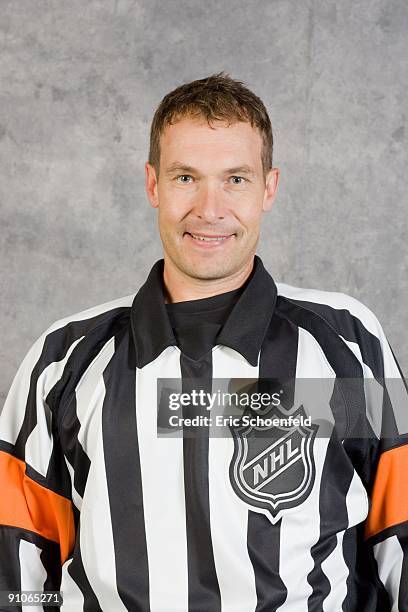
(215,98)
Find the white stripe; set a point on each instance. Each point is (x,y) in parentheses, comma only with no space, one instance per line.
(311,361)
(373,391)
(76,498)
(390,557)
(229,514)
(336,571)
(314,382)
(14,408)
(96,536)
(39,444)
(357,503)
(89,394)
(161,461)
(335,567)
(399,401)
(73,600)
(300,528)
(33,574)
(94,311)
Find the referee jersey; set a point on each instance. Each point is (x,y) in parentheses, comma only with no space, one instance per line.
(95,504)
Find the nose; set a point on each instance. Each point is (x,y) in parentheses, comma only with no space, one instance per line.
(209,206)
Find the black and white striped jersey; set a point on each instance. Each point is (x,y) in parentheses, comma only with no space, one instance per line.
(94,503)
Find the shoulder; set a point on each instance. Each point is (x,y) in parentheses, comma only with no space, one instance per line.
(81,334)
(336,308)
(95,315)
(328,313)
(86,332)
(76,343)
(64,351)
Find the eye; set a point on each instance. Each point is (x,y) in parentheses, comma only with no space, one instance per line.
(239,177)
(183,176)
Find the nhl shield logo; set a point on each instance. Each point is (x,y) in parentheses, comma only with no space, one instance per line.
(275,472)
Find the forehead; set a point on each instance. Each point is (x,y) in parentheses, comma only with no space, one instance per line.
(196,142)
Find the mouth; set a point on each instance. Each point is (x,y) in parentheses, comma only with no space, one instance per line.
(208,240)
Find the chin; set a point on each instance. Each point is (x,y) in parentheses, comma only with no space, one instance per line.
(208,266)
(210,269)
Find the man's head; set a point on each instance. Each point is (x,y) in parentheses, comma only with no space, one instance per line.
(210,175)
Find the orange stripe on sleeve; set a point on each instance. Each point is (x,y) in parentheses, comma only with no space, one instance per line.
(389,500)
(26,504)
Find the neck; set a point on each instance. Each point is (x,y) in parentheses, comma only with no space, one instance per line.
(180,287)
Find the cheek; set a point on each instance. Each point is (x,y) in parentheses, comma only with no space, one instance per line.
(169,217)
(250,218)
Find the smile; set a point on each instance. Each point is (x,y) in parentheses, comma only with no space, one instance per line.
(208,240)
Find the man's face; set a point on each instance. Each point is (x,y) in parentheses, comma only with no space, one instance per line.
(210,196)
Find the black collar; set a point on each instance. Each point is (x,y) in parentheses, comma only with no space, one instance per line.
(243,331)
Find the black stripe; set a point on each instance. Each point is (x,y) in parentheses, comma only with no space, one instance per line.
(353,586)
(363,453)
(77,515)
(121,451)
(7,447)
(277,364)
(278,356)
(280,348)
(77,572)
(72,447)
(203,587)
(365,592)
(264,549)
(51,560)
(390,437)
(10,571)
(58,476)
(335,482)
(10,574)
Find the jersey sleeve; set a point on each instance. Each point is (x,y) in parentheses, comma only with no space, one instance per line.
(386,526)
(37,526)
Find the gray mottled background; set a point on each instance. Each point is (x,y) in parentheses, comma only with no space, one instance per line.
(79,82)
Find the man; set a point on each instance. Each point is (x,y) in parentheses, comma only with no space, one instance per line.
(99,505)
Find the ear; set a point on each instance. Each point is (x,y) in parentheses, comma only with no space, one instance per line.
(272,179)
(151,185)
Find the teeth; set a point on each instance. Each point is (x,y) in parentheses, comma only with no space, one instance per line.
(206,239)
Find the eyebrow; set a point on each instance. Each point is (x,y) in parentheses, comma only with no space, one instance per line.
(179,167)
